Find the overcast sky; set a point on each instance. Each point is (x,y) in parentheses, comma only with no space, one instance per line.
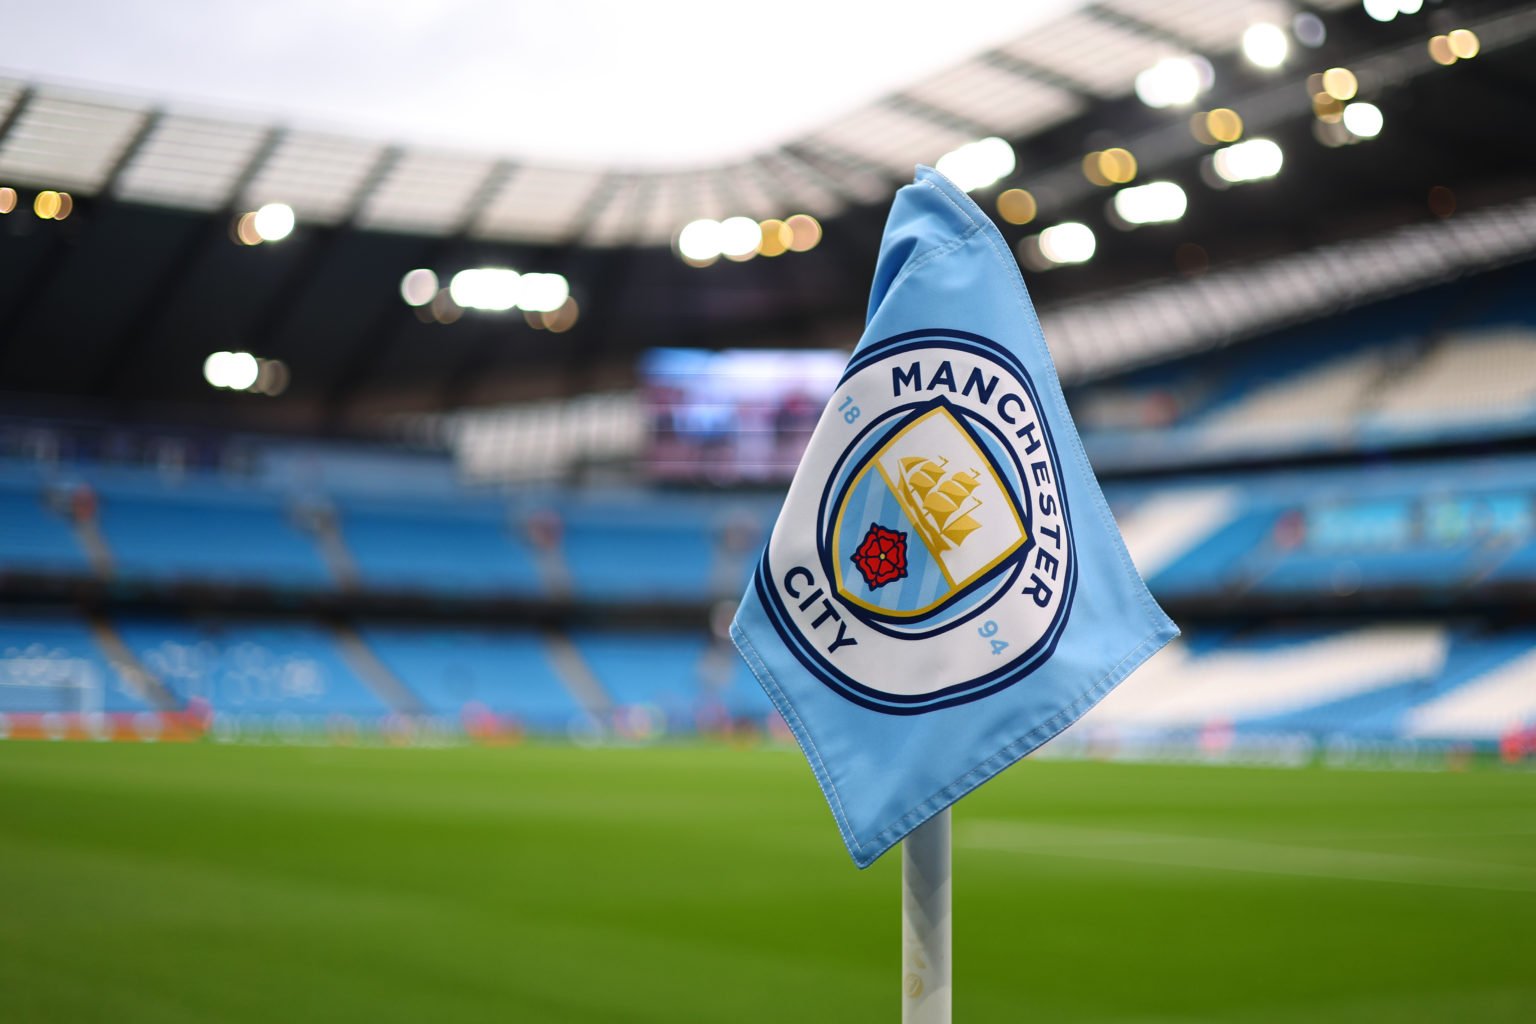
(656,83)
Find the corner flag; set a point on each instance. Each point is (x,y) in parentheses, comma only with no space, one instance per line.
(944,589)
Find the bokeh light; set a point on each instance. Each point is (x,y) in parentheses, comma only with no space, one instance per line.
(1464,43)
(1253,160)
(739,238)
(1107,167)
(1171,82)
(564,318)
(494,289)
(1157,202)
(1327,109)
(541,293)
(1069,242)
(1309,30)
(1266,45)
(776,236)
(244,229)
(273,222)
(418,287)
(1213,127)
(1364,120)
(1340,83)
(978,164)
(805,232)
(234,371)
(700,241)
(1017,206)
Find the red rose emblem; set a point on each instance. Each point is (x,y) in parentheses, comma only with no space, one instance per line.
(882,556)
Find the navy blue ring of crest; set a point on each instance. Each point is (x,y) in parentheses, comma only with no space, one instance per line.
(982,686)
(824,523)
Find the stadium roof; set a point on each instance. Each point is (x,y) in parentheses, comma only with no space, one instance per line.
(540,149)
(124,299)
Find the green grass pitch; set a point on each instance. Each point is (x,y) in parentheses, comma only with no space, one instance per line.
(204,883)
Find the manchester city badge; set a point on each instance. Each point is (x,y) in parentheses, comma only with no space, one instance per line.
(928,528)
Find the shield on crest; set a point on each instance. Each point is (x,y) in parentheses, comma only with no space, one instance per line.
(930,514)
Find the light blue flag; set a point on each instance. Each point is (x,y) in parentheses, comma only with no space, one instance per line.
(945,588)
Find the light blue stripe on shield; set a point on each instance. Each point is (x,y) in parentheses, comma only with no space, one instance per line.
(871,501)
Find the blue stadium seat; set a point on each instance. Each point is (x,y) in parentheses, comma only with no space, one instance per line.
(204,536)
(51,662)
(646,668)
(252,668)
(613,557)
(35,538)
(1214,563)
(507,672)
(438,546)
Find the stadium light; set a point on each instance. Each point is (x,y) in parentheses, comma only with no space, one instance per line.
(1157,202)
(273,222)
(804,232)
(777,236)
(1458,44)
(542,293)
(1386,10)
(1070,242)
(488,288)
(51,205)
(1340,83)
(1266,45)
(700,241)
(1172,82)
(1017,206)
(1363,120)
(233,371)
(418,287)
(978,164)
(1253,160)
(739,238)
(1309,30)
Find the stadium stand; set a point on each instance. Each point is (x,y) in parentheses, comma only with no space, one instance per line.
(643,552)
(1488,705)
(448,545)
(1254,485)
(1425,369)
(458,673)
(207,535)
(252,669)
(34,536)
(51,662)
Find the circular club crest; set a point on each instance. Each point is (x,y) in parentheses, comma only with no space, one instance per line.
(924,555)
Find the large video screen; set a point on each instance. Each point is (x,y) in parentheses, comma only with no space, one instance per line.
(737,416)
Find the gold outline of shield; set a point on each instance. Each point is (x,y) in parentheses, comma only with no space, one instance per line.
(954,587)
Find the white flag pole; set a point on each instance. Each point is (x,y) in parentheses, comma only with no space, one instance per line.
(925,923)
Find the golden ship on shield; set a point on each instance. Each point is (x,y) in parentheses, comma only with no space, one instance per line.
(939,506)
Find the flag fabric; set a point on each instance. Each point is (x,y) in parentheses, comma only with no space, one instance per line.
(944,589)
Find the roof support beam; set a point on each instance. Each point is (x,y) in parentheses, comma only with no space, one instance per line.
(937,115)
(14,321)
(138,329)
(1018,67)
(318,249)
(385,329)
(23,101)
(1129,22)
